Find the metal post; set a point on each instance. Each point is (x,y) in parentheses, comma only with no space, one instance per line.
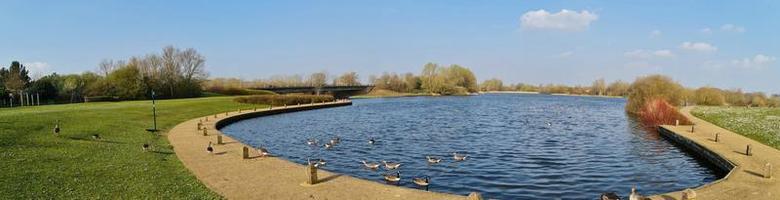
(677,122)
(154,112)
(747,151)
(38,95)
(716,137)
(693,128)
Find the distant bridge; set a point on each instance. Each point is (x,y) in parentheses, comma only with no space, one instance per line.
(336,91)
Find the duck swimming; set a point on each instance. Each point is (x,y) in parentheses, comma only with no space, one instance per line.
(393,177)
(371,141)
(335,140)
(328,145)
(433,160)
(459,157)
(422,181)
(391,165)
(372,165)
(311,142)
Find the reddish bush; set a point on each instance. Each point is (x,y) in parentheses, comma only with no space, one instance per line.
(659,112)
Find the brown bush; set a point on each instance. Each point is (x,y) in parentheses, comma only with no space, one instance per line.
(648,88)
(280,100)
(659,112)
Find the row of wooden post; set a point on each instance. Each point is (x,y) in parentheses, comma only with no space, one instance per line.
(748,150)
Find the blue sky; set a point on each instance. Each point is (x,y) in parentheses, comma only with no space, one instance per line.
(728,44)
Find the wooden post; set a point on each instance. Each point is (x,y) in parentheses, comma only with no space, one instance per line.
(474,196)
(205,132)
(255,109)
(747,151)
(199,124)
(246,152)
(693,127)
(207,118)
(768,170)
(677,122)
(219,139)
(312,173)
(716,137)
(239,110)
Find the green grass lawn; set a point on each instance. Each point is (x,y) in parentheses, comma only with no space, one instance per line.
(760,124)
(37,165)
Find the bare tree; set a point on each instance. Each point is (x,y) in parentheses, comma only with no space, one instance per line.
(347,79)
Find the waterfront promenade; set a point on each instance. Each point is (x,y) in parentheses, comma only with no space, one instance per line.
(746,180)
(231,176)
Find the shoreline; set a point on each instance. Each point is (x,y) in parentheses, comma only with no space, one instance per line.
(745,173)
(229,175)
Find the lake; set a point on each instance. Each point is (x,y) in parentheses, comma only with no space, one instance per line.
(519,146)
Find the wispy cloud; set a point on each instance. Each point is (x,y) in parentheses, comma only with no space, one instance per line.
(706,31)
(565,54)
(758,61)
(655,33)
(648,54)
(37,69)
(698,46)
(565,20)
(732,28)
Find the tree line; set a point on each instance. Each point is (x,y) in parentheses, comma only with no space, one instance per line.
(173,73)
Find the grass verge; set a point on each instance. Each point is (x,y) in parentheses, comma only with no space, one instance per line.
(37,165)
(759,124)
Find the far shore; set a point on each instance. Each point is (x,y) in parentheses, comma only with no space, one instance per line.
(398,95)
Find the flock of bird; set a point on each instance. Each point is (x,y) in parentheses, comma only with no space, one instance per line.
(393,175)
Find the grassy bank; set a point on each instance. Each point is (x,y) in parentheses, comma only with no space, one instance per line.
(37,165)
(760,124)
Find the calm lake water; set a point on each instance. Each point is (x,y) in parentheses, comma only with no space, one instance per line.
(590,145)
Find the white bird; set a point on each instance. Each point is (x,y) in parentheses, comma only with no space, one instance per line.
(335,140)
(393,177)
(371,165)
(391,165)
(311,142)
(422,181)
(145,147)
(328,145)
(319,163)
(433,160)
(210,149)
(96,137)
(459,157)
(263,152)
(635,195)
(371,141)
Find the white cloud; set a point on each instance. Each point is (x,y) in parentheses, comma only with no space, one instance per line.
(706,31)
(565,20)
(655,33)
(37,69)
(648,54)
(732,28)
(565,54)
(698,46)
(757,61)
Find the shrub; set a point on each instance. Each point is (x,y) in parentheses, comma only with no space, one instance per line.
(280,100)
(659,112)
(648,88)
